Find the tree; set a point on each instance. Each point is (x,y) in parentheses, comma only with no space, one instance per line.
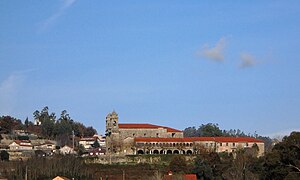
(26,122)
(4,155)
(202,169)
(244,165)
(96,144)
(209,130)
(190,132)
(284,159)
(89,131)
(36,114)
(81,150)
(8,124)
(47,127)
(178,164)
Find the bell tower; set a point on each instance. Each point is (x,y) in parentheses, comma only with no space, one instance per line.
(112,133)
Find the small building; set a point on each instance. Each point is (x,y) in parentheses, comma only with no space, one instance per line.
(20,132)
(20,145)
(87,142)
(66,150)
(60,178)
(47,145)
(171,176)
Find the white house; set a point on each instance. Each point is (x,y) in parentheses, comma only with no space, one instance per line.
(87,142)
(66,150)
(47,145)
(20,145)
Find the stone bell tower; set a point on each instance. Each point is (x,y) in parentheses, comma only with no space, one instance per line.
(112,133)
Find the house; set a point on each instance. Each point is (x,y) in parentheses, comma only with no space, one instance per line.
(47,145)
(20,145)
(20,132)
(60,178)
(189,177)
(87,142)
(66,150)
(170,176)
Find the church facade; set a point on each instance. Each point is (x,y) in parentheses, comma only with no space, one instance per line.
(154,139)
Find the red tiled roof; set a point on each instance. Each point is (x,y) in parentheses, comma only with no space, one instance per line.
(146,126)
(190,177)
(192,139)
(88,139)
(21,143)
(162,140)
(237,139)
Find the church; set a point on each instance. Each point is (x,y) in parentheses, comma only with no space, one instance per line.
(131,139)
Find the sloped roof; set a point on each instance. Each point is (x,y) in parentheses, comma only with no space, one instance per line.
(22,143)
(88,139)
(60,178)
(146,126)
(192,139)
(162,139)
(190,177)
(237,139)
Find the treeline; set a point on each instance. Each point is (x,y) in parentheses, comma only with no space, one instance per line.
(49,126)
(213,130)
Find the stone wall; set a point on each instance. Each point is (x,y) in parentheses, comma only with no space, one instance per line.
(135,159)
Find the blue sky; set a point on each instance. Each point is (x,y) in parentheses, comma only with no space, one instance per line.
(172,63)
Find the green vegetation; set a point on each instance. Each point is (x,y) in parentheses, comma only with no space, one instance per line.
(213,130)
(4,155)
(51,127)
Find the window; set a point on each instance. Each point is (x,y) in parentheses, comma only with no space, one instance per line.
(226,144)
(233,144)
(220,144)
(133,134)
(173,134)
(157,134)
(247,144)
(144,134)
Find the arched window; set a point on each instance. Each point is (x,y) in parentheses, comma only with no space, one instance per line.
(169,152)
(140,152)
(189,152)
(155,151)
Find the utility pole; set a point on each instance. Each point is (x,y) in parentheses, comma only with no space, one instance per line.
(26,173)
(123,174)
(73,138)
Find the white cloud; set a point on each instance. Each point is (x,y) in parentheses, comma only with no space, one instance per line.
(215,53)
(247,60)
(66,4)
(9,89)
